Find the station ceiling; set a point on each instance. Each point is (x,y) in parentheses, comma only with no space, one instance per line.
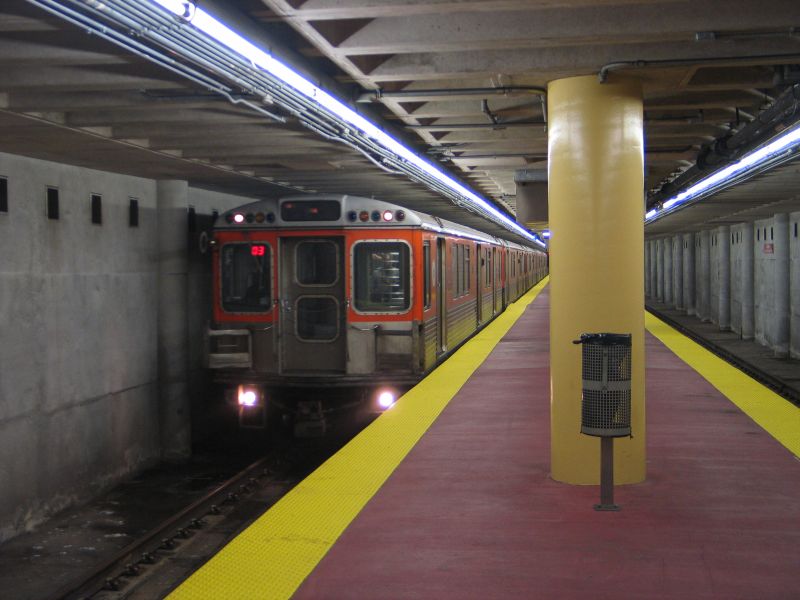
(458,81)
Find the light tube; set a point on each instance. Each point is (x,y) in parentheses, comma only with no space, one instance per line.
(217,30)
(781,143)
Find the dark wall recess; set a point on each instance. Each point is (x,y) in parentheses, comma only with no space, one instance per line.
(52,203)
(133,213)
(4,195)
(97,209)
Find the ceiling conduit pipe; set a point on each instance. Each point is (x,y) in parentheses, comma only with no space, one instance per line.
(602,75)
(510,90)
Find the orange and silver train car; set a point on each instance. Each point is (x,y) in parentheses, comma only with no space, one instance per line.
(320,301)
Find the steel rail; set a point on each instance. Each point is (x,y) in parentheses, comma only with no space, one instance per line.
(160,537)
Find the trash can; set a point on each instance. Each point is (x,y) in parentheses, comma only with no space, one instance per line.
(606,398)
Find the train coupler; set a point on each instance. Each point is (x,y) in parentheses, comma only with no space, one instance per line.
(309,419)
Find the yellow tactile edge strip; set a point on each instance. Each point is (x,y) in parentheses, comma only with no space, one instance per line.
(272,557)
(779,417)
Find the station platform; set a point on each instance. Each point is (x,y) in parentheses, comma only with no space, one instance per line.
(448,494)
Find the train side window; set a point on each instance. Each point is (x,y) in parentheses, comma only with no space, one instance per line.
(381,280)
(466,269)
(426,283)
(462,279)
(316,263)
(245,271)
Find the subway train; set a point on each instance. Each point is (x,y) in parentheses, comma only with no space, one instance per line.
(326,302)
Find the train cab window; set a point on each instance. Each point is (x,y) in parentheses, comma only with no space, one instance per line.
(426,271)
(381,277)
(246,276)
(317,263)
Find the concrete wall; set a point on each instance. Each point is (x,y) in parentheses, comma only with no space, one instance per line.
(79,401)
(746,278)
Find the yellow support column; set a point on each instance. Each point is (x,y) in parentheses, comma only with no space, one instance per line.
(596,206)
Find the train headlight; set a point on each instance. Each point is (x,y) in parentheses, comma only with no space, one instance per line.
(238,218)
(247,396)
(388,215)
(386,399)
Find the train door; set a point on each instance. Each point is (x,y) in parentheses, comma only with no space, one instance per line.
(312,305)
(441,298)
(479,281)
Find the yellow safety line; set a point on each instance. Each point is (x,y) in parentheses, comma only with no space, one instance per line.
(272,557)
(775,414)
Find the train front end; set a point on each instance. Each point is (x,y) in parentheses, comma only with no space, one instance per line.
(314,310)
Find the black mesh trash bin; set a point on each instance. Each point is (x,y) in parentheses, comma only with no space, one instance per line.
(606,399)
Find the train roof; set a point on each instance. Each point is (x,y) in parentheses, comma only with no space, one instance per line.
(340,210)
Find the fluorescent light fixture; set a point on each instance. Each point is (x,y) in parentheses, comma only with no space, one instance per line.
(214,28)
(546,234)
(783,142)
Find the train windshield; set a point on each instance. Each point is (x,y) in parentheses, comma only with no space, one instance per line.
(381,277)
(245,272)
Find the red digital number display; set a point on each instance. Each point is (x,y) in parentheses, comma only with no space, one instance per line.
(258,250)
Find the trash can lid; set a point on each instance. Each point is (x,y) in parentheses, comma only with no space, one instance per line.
(605,339)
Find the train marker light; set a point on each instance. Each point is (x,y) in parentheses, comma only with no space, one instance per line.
(386,400)
(363,215)
(387,215)
(238,218)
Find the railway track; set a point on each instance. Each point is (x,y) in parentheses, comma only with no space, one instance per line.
(124,573)
(152,565)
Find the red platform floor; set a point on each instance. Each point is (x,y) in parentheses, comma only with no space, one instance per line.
(473,513)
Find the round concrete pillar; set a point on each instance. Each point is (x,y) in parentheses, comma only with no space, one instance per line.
(653,268)
(724,266)
(704,277)
(677,272)
(173,324)
(660,270)
(689,297)
(668,271)
(596,172)
(748,282)
(782,294)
